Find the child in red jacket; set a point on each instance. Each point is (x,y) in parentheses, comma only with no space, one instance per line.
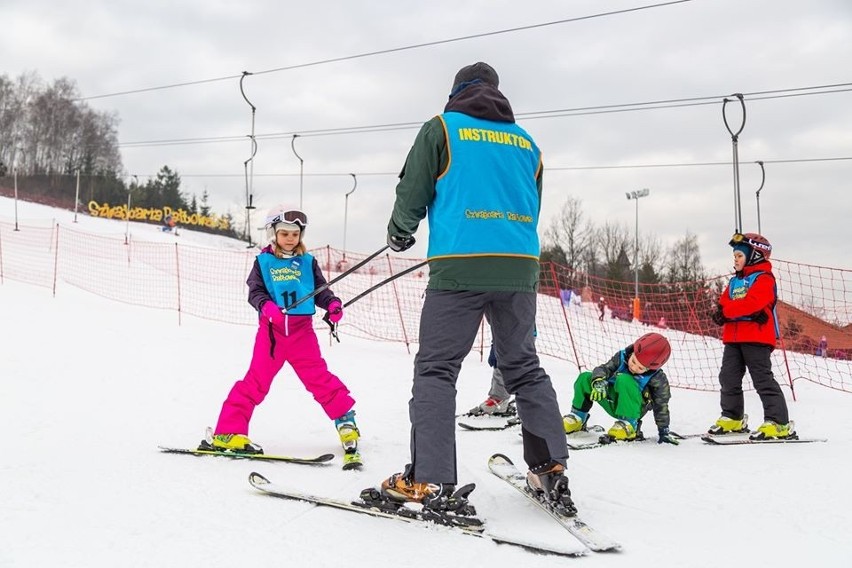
(746,312)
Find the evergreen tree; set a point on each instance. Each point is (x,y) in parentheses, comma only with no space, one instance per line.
(205,207)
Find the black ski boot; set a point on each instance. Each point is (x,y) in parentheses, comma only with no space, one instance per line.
(548,482)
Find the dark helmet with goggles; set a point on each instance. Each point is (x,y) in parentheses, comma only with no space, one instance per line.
(755,247)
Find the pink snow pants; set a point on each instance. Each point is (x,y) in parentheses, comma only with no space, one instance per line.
(297,344)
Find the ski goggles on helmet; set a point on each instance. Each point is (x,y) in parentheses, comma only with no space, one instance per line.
(292,217)
(740,239)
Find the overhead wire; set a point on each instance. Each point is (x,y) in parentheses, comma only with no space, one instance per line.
(389,50)
(547,168)
(531,115)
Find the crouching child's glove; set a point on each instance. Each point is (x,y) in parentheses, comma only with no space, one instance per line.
(598,389)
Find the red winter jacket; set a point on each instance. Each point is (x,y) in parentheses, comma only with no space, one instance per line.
(760,296)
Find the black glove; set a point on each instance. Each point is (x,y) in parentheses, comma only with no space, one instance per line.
(666,437)
(399,243)
(717,316)
(759,317)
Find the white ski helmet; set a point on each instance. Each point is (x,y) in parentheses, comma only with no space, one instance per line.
(284,217)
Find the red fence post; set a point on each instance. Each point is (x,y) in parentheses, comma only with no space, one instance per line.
(55,260)
(177,276)
(399,307)
(565,316)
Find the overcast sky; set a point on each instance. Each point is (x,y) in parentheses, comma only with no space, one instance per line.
(698,49)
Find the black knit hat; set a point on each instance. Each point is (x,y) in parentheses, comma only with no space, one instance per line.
(478,71)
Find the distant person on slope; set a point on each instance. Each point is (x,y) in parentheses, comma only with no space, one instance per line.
(627,386)
(746,312)
(283,273)
(168,224)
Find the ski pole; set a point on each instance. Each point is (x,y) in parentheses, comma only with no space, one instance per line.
(738,214)
(369,290)
(334,280)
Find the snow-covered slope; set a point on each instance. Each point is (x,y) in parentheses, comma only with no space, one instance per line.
(89,388)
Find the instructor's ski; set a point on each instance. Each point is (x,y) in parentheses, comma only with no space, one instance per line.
(388,510)
(502,467)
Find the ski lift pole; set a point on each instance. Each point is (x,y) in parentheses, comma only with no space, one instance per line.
(249,169)
(301,167)
(738,215)
(757,193)
(334,280)
(346,211)
(369,290)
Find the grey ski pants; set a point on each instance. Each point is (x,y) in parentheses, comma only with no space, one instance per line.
(448,326)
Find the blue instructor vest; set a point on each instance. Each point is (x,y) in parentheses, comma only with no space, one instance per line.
(288,280)
(486,201)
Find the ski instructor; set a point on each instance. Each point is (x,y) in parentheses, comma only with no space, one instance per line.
(477,176)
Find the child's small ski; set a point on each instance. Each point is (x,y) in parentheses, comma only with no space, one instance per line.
(592,437)
(601,442)
(261,457)
(502,467)
(725,441)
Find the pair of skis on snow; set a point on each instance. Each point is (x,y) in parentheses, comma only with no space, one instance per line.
(499,465)
(587,440)
(595,437)
(351,458)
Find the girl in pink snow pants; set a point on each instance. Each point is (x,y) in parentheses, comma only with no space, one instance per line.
(283,273)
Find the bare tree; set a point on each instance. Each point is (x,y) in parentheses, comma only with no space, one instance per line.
(47,129)
(15,97)
(651,263)
(569,232)
(684,261)
(613,239)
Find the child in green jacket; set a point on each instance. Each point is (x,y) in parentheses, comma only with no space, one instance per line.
(626,387)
